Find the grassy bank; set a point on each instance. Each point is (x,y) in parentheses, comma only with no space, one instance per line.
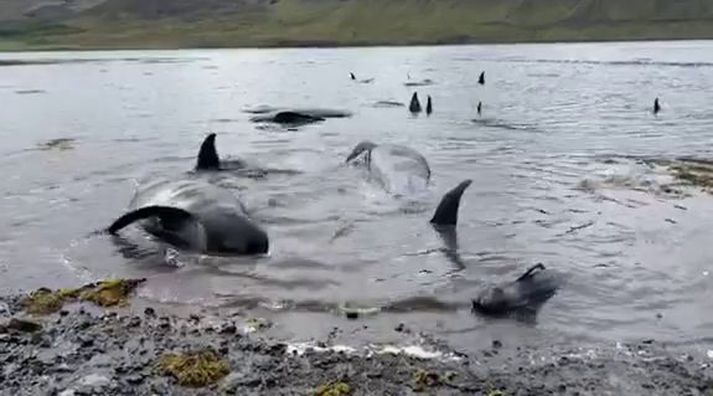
(222,23)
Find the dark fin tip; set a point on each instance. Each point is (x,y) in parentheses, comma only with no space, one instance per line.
(447,212)
(208,156)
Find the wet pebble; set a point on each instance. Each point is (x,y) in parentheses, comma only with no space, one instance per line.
(135,321)
(21,325)
(228,329)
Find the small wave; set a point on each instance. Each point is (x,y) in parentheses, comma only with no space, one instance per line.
(388,104)
(506,125)
(636,62)
(30,91)
(422,83)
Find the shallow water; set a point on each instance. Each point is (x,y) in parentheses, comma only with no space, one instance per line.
(552,158)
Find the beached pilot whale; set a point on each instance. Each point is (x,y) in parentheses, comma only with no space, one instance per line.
(526,293)
(195,215)
(400,170)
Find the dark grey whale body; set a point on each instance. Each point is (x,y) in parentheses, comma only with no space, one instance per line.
(195,215)
(191,213)
(287,116)
(400,170)
(526,293)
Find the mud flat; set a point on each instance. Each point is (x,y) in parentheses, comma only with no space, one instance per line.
(86,349)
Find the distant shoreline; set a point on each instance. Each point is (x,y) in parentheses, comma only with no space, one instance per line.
(313,44)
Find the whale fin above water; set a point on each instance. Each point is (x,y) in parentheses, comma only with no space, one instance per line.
(414,105)
(530,272)
(167,214)
(208,156)
(447,212)
(360,148)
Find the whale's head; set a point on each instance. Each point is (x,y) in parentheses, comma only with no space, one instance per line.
(234,234)
(360,148)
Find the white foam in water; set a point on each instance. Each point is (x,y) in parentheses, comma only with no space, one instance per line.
(301,347)
(411,350)
(710,354)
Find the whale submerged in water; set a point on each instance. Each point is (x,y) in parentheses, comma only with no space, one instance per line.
(400,170)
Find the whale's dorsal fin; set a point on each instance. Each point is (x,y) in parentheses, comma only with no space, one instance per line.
(165,213)
(207,156)
(360,148)
(447,212)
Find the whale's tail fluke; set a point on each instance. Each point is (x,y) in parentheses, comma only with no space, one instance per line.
(208,156)
(167,214)
(447,212)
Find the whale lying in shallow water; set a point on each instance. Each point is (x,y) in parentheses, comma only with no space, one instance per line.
(526,293)
(194,215)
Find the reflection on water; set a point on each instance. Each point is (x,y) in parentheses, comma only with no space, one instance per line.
(560,161)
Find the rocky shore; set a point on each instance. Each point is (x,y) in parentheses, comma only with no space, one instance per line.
(83,349)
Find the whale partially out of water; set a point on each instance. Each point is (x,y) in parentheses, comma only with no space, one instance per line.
(195,215)
(527,293)
(400,170)
(404,172)
(208,159)
(294,116)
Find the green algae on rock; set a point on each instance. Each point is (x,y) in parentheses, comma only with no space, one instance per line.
(194,369)
(110,292)
(106,293)
(423,380)
(44,301)
(333,389)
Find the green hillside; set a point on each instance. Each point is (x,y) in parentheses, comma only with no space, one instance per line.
(235,23)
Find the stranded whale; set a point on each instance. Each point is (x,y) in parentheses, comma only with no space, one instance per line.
(400,170)
(194,215)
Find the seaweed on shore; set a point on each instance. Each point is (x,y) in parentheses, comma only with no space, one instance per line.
(333,389)
(106,293)
(194,369)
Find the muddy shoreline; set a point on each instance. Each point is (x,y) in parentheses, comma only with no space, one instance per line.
(86,350)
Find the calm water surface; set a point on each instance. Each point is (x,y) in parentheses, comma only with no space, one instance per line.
(555,117)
